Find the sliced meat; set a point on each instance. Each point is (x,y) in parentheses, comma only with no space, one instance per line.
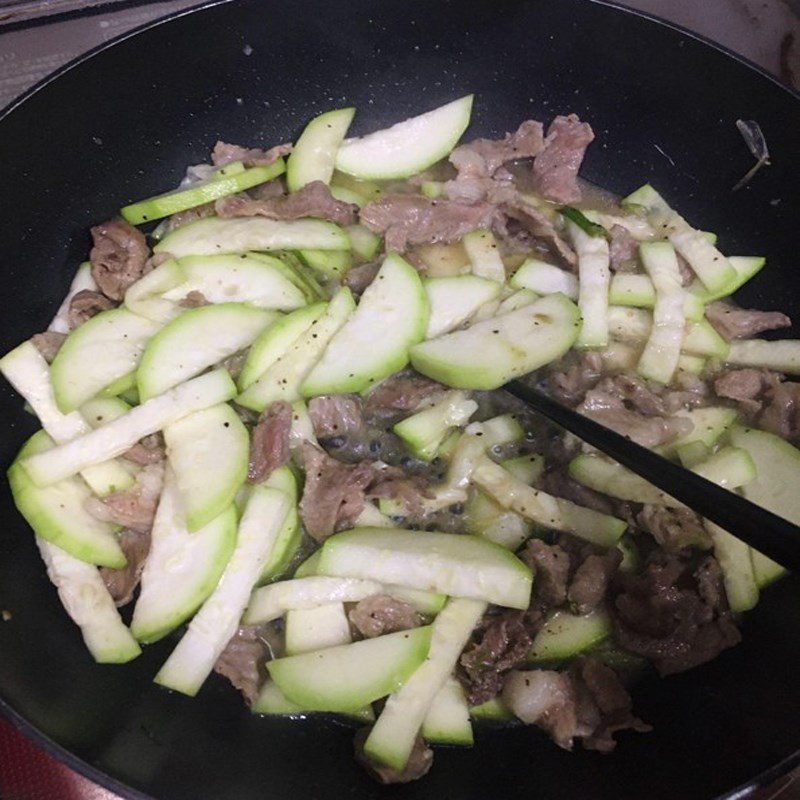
(663,616)
(333,492)
(194,299)
(224,153)
(591,581)
(335,415)
(48,344)
(181,218)
(782,413)
(573,376)
(84,305)
(483,157)
(403,391)
(149,450)
(673,528)
(234,364)
(356,279)
(313,200)
(122,583)
(133,508)
(556,481)
(550,566)
(380,614)
(686,272)
(269,445)
(731,322)
(409,219)
(500,643)
(410,491)
(690,391)
(555,169)
(538,225)
(634,394)
(243,661)
(419,761)
(746,387)
(118,257)
(622,249)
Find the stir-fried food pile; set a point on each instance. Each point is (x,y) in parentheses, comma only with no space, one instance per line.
(273,430)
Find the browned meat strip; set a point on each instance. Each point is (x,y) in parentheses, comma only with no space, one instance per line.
(118,257)
(194,299)
(782,413)
(408,219)
(269,445)
(663,615)
(622,249)
(356,279)
(419,762)
(591,581)
(557,482)
(691,391)
(381,614)
(313,200)
(555,169)
(190,215)
(673,528)
(550,566)
(633,393)
(335,415)
(149,450)
(404,391)
(243,661)
(251,156)
(538,225)
(48,344)
(483,157)
(411,492)
(740,323)
(573,376)
(745,386)
(333,493)
(122,583)
(84,305)
(500,643)
(133,508)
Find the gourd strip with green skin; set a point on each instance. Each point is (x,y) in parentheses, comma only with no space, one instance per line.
(314,153)
(455,299)
(565,635)
(145,297)
(543,278)
(310,629)
(447,720)
(484,255)
(781,355)
(594,277)
(83,280)
(638,291)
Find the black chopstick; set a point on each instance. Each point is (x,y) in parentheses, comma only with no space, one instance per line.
(768,533)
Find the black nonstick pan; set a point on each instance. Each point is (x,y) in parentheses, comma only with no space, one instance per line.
(123,124)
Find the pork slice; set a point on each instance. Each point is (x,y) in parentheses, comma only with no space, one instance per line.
(731,322)
(401,392)
(551,567)
(121,583)
(269,445)
(591,581)
(149,450)
(555,169)
(194,299)
(357,278)
(634,394)
(84,305)
(243,661)
(573,376)
(118,257)
(538,225)
(335,415)
(781,415)
(180,218)
(556,481)
(419,761)
(48,344)
(410,219)
(673,528)
(622,249)
(224,153)
(379,614)
(313,200)
(483,157)
(411,491)
(745,386)
(132,508)
(333,493)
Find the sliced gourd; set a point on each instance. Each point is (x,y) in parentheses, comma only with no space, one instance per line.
(289,537)
(364,243)
(145,297)
(455,299)
(484,255)
(543,278)
(492,352)
(708,425)
(83,280)
(745,267)
(594,277)
(407,147)
(447,720)
(565,635)
(194,341)
(781,355)
(330,264)
(314,153)
(271,700)
(310,629)
(485,517)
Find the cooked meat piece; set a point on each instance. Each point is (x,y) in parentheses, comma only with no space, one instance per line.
(251,156)
(313,200)
(356,279)
(403,391)
(500,643)
(84,305)
(538,225)
(194,299)
(243,661)
(335,415)
(270,190)
(190,215)
(555,169)
(48,344)
(662,615)
(782,413)
(333,492)
(634,393)
(686,272)
(483,157)
(379,614)
(269,445)
(591,581)
(745,386)
(419,762)
(557,482)
(132,508)
(121,583)
(410,491)
(691,391)
(234,364)
(149,450)
(622,249)
(571,377)
(740,323)
(118,257)
(550,566)
(673,528)
(408,219)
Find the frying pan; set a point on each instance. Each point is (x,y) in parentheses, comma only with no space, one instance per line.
(123,123)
